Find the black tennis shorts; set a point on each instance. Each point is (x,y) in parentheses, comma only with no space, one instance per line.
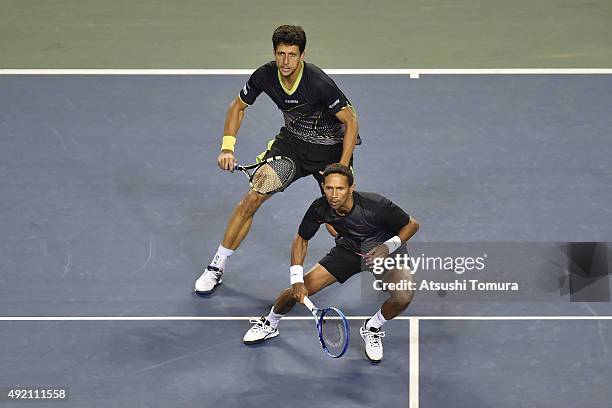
(344,263)
(309,158)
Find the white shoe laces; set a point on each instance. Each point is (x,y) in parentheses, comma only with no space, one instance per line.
(260,324)
(373,337)
(209,274)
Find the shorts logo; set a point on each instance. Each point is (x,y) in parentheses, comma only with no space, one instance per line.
(291,101)
(244,89)
(337,101)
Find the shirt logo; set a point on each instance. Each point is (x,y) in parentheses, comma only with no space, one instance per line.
(337,101)
(291,101)
(245,89)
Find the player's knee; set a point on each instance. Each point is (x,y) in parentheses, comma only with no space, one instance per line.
(287,295)
(402,298)
(250,203)
(315,282)
(309,283)
(311,286)
(286,298)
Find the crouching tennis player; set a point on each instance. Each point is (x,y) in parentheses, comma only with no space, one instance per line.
(361,220)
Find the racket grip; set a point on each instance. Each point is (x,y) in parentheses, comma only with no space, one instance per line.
(308,303)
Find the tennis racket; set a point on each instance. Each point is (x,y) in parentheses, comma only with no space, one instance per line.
(270,175)
(332,328)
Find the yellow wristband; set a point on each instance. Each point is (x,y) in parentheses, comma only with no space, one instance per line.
(228,143)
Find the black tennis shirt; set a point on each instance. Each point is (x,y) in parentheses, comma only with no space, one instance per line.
(308,108)
(372,220)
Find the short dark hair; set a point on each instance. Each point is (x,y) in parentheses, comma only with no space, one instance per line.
(337,168)
(290,35)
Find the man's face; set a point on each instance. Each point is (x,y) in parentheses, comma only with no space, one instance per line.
(337,190)
(287,58)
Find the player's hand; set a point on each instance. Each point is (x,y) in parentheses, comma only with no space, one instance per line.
(380,251)
(226,160)
(298,291)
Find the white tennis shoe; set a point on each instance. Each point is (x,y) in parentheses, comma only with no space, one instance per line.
(260,332)
(208,281)
(373,343)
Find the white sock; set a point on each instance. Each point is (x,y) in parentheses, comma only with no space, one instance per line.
(221,256)
(376,321)
(274,318)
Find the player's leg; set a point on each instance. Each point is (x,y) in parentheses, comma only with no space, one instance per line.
(237,229)
(265,327)
(240,221)
(316,279)
(399,299)
(337,266)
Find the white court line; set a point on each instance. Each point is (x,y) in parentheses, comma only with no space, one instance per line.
(414,330)
(413,387)
(222,318)
(413,72)
(514,317)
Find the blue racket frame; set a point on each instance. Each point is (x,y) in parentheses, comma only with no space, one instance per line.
(346,329)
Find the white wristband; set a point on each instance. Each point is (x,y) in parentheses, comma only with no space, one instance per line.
(296,274)
(393,244)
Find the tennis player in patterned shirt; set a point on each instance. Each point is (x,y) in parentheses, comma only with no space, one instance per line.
(320,128)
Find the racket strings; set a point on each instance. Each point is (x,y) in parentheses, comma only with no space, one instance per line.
(333,332)
(273,176)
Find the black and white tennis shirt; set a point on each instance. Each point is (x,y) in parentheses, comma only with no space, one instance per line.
(372,220)
(308,108)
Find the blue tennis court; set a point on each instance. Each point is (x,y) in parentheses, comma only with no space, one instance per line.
(112,202)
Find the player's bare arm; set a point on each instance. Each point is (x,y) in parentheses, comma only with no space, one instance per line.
(332,231)
(299,248)
(408,230)
(235,113)
(404,234)
(348,118)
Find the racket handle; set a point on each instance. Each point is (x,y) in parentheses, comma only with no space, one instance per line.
(308,303)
